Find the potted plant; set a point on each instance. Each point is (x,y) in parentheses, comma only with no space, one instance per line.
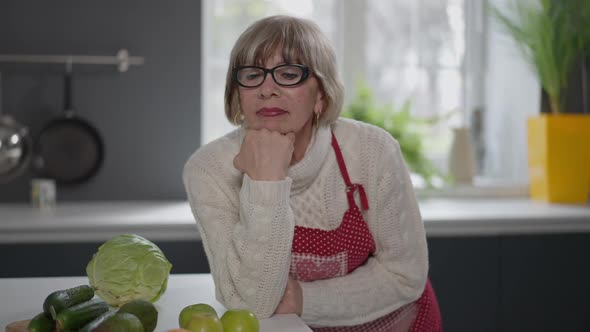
(554,38)
(405,128)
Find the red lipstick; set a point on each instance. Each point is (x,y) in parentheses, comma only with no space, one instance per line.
(271,111)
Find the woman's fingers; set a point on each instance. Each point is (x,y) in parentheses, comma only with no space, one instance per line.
(265,155)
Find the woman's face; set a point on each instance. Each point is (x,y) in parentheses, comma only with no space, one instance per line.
(278,108)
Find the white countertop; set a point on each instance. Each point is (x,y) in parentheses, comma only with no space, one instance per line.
(173,221)
(22,298)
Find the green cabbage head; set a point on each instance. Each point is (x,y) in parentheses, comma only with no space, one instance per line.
(128,267)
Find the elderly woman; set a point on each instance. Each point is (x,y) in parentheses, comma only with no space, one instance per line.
(300,211)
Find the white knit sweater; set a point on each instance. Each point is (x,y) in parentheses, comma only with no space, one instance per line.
(247,226)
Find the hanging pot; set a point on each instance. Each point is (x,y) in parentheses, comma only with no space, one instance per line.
(15,146)
(68,149)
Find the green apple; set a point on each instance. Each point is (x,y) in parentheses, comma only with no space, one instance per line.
(240,320)
(204,323)
(194,309)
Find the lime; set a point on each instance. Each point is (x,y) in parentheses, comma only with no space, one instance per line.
(194,309)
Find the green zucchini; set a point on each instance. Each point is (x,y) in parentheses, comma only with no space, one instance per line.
(76,316)
(41,323)
(65,298)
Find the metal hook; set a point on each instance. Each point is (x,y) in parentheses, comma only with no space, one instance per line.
(123,58)
(69,64)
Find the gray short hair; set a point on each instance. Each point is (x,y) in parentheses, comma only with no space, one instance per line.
(300,40)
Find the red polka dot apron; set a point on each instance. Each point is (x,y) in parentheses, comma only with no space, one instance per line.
(320,254)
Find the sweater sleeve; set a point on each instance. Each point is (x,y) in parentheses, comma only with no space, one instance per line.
(248,241)
(397,273)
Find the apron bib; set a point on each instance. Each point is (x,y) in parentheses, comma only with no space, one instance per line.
(320,254)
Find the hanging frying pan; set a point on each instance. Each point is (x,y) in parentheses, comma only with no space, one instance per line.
(68,149)
(15,146)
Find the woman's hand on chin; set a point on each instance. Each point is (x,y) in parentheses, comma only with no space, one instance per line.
(265,155)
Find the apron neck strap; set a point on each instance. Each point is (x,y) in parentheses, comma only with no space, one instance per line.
(350,187)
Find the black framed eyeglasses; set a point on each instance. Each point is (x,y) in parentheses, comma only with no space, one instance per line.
(283,75)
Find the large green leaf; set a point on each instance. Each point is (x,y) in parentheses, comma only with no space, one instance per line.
(553,36)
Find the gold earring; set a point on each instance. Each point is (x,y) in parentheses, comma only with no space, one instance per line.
(238,115)
(317,118)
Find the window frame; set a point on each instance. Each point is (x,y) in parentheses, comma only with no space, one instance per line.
(350,55)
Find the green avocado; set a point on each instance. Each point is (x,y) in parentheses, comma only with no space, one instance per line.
(145,311)
(120,322)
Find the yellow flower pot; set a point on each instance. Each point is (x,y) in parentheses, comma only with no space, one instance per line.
(559,158)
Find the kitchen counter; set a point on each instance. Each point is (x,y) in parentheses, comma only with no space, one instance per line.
(27,295)
(173,221)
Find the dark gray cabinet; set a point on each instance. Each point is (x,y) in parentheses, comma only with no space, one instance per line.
(545,282)
(70,259)
(464,275)
(512,283)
